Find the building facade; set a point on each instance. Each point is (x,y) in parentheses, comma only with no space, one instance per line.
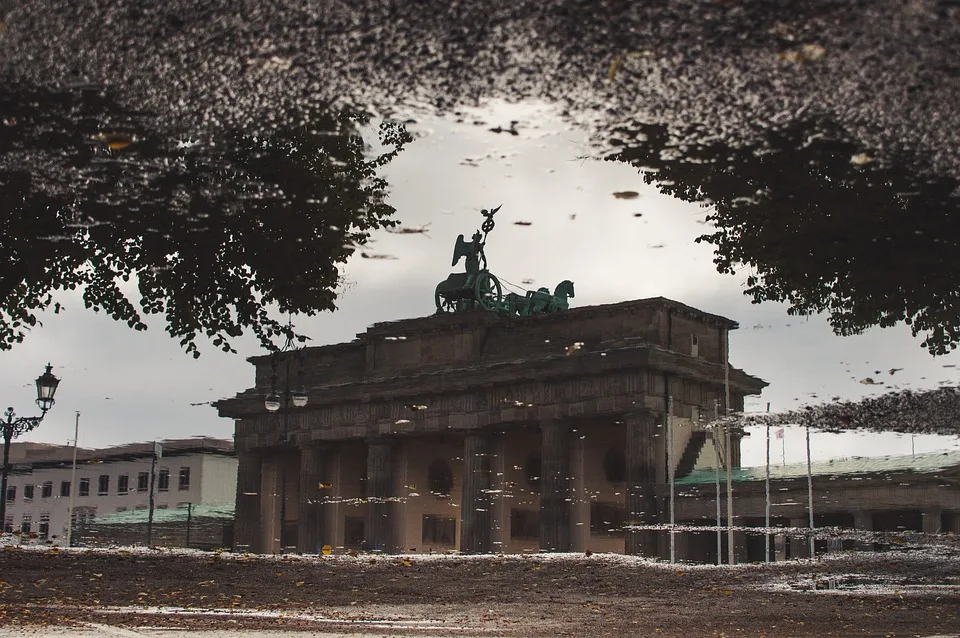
(110,482)
(864,500)
(477,432)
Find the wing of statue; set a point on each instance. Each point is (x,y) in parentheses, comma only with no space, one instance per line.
(460,250)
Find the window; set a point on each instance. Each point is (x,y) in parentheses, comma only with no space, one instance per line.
(440,478)
(121,509)
(143,481)
(64,488)
(46,490)
(28,492)
(8,524)
(11,493)
(694,346)
(160,507)
(84,515)
(123,484)
(84,487)
(103,485)
(524,524)
(141,507)
(439,530)
(183,483)
(44,527)
(163,480)
(607,519)
(26,523)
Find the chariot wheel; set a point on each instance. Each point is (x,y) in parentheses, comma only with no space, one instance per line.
(488,292)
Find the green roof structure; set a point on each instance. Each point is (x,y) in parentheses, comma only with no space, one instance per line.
(920,463)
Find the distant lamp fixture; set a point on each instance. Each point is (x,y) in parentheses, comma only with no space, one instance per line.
(299,396)
(13,426)
(46,388)
(281,402)
(272,402)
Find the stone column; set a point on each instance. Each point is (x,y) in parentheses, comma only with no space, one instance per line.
(555,487)
(475,515)
(642,463)
(736,439)
(800,544)
(740,553)
(499,510)
(378,525)
(270,504)
(310,532)
(398,508)
(932,521)
(332,520)
(246,525)
(580,507)
(863,521)
(953,523)
(682,543)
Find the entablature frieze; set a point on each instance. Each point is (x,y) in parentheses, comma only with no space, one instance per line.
(580,374)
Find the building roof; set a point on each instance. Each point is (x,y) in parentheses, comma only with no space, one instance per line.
(56,455)
(449,320)
(920,463)
(168,515)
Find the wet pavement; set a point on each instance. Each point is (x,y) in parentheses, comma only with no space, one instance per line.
(885,71)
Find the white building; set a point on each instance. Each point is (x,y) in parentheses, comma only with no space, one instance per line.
(198,471)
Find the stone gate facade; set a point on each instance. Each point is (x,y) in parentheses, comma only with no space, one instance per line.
(481,433)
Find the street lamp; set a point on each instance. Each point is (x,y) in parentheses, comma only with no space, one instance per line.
(281,402)
(14,426)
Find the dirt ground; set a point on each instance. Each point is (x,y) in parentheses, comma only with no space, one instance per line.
(902,593)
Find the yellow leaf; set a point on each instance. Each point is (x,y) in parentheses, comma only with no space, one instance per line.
(407,563)
(612,72)
(299,583)
(116,141)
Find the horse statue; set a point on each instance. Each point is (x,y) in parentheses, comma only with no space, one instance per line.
(540,301)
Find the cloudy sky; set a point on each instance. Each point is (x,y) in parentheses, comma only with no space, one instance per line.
(135,386)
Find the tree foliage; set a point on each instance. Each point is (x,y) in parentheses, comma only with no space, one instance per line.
(820,224)
(218,235)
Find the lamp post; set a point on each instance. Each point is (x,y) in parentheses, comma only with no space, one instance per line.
(295,396)
(14,426)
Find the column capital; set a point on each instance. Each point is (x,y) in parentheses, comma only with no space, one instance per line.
(385,441)
(314,446)
(640,414)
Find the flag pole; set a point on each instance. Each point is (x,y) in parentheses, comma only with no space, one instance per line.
(810,493)
(73,481)
(729,447)
(716,452)
(671,472)
(783,447)
(767,513)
